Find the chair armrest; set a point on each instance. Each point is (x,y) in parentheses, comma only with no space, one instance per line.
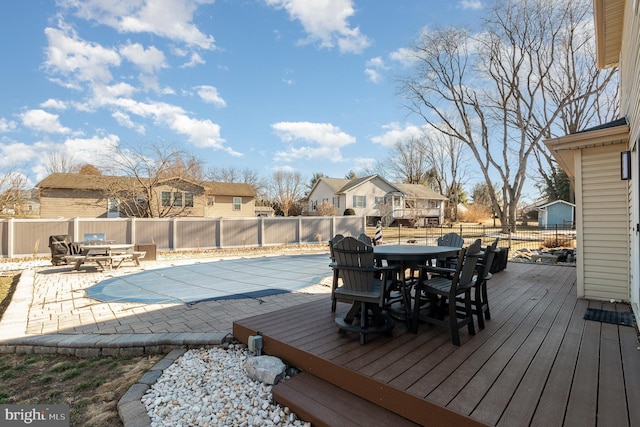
(434,269)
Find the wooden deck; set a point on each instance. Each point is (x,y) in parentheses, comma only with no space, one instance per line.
(537,362)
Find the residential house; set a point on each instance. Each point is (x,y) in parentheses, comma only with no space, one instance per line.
(558,213)
(604,167)
(377,199)
(97,196)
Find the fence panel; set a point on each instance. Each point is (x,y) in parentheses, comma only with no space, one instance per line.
(32,236)
(240,232)
(158,231)
(316,229)
(282,230)
(116,229)
(196,233)
(349,225)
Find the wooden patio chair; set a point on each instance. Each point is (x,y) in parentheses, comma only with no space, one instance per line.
(334,266)
(364,286)
(444,292)
(480,301)
(366,239)
(449,239)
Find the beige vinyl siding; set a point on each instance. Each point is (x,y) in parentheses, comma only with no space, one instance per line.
(71,204)
(224,208)
(630,63)
(604,224)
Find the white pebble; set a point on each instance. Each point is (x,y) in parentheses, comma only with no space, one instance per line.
(209,387)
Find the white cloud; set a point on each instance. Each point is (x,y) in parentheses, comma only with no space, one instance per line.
(471,4)
(55,104)
(324,140)
(148,60)
(373,75)
(210,95)
(374,66)
(326,22)
(7,125)
(43,121)
(196,59)
(78,59)
(395,132)
(16,153)
(124,119)
(404,56)
(172,19)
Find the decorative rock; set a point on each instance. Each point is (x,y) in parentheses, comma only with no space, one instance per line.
(210,387)
(266,369)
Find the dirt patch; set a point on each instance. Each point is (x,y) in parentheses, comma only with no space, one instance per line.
(91,387)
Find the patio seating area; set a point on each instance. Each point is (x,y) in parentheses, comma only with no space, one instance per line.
(536,362)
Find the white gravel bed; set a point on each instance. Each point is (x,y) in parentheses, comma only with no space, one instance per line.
(209,387)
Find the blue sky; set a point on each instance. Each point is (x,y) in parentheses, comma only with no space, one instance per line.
(303,85)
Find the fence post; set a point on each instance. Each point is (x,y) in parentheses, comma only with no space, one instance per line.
(10,239)
(174,234)
(132,229)
(461,232)
(76,230)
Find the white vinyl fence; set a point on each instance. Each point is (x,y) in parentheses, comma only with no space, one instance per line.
(30,237)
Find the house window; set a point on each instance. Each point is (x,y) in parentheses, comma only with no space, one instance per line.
(237,203)
(177,199)
(188,200)
(166,198)
(211,201)
(336,202)
(379,201)
(113,208)
(359,201)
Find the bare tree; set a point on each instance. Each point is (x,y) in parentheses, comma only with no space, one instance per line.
(13,190)
(409,162)
(58,162)
(445,154)
(485,89)
(243,176)
(286,189)
(147,169)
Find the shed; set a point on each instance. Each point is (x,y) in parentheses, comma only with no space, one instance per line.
(558,213)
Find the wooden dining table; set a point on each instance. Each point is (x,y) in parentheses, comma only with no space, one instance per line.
(410,256)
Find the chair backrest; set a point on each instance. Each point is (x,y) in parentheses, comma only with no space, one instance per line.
(451,239)
(356,263)
(366,239)
(332,242)
(465,270)
(487,260)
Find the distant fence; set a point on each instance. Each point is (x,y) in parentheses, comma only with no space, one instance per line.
(30,237)
(530,237)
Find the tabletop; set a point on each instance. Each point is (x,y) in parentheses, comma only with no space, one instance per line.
(413,252)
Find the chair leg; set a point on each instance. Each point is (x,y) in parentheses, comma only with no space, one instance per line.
(334,286)
(485,301)
(478,305)
(453,322)
(469,312)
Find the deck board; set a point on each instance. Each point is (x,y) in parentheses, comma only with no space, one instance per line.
(537,362)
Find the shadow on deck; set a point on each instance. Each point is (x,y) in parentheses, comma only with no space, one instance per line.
(537,362)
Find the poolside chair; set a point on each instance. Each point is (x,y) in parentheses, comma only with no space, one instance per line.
(445,291)
(480,300)
(366,239)
(449,239)
(336,271)
(364,286)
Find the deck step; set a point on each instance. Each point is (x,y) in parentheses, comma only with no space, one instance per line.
(325,405)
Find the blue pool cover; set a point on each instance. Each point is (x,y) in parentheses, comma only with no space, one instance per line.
(224,279)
